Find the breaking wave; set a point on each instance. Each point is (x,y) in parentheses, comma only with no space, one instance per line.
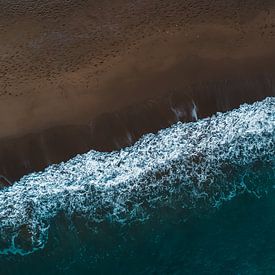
(189,166)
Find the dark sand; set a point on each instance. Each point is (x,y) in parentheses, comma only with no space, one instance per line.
(77,75)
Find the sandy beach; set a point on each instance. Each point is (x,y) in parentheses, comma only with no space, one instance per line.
(81,75)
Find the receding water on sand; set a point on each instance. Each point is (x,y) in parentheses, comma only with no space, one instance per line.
(194,198)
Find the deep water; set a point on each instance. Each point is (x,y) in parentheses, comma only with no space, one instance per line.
(197,198)
(237,238)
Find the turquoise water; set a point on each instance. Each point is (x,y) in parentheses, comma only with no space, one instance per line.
(197,198)
(236,239)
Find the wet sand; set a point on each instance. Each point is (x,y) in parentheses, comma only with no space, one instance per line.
(81,75)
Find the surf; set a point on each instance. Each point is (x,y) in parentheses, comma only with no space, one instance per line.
(188,166)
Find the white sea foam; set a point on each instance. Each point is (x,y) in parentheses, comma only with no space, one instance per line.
(187,165)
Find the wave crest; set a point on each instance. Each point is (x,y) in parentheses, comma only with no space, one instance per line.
(192,165)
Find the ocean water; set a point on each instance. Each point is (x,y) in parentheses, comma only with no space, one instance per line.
(196,198)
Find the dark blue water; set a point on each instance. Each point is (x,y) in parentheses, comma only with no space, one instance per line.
(238,238)
(196,198)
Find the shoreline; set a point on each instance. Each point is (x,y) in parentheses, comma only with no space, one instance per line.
(113,131)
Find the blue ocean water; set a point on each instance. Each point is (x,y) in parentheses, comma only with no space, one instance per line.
(196,198)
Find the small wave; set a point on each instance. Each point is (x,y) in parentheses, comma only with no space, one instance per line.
(192,165)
